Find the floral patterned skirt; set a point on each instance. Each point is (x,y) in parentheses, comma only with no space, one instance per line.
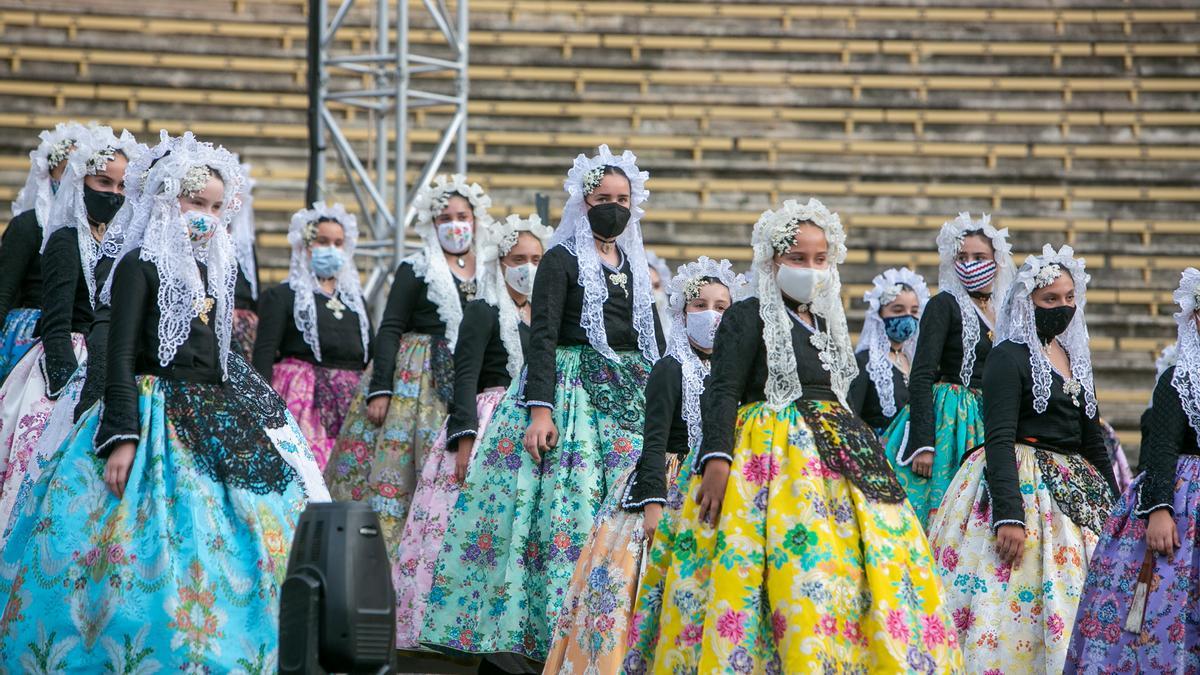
(183,572)
(958,427)
(318,399)
(518,528)
(1169,641)
(17,337)
(25,414)
(817,563)
(437,490)
(380,465)
(1018,619)
(590,634)
(1116,455)
(245,331)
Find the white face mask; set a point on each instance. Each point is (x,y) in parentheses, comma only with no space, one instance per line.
(702,327)
(520,278)
(455,236)
(801,284)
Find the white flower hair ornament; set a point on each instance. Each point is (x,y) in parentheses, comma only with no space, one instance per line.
(949,242)
(574,233)
(773,229)
(884,290)
(1186,379)
(429,263)
(158,229)
(496,243)
(93,151)
(54,146)
(685,286)
(1015,323)
(304,283)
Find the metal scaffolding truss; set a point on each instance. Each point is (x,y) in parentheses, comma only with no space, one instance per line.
(379,78)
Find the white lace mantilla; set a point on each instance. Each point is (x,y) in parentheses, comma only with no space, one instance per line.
(949,241)
(157,227)
(242,230)
(304,283)
(430,262)
(885,287)
(575,233)
(37,193)
(1187,367)
(836,354)
(92,152)
(680,348)
(493,289)
(1016,323)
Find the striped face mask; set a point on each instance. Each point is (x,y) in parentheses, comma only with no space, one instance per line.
(976,275)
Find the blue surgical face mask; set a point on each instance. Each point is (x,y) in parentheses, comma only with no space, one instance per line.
(900,328)
(326,261)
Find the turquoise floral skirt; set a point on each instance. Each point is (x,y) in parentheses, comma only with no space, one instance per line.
(958,427)
(183,572)
(17,337)
(519,527)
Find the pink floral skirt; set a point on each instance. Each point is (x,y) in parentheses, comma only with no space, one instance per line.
(318,398)
(437,490)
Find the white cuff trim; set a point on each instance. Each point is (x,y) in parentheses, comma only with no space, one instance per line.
(376,394)
(113,440)
(699,466)
(996,525)
(1147,511)
(537,404)
(454,437)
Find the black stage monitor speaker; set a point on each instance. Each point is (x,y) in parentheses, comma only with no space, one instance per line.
(337,607)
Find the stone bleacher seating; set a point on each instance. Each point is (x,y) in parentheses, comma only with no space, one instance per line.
(1075,124)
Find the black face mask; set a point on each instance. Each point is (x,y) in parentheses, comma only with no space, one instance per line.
(1050,323)
(102,206)
(608,220)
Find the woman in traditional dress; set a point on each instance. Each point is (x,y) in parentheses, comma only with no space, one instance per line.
(160,531)
(489,356)
(20,248)
(589,635)
(927,441)
(245,297)
(522,517)
(1138,611)
(886,346)
(91,192)
(398,413)
(1019,522)
(314,334)
(796,551)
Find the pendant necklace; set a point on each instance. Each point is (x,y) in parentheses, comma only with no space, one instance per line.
(462,264)
(335,305)
(203,307)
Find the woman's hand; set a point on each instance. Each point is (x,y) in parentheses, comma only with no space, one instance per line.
(1162,536)
(116,470)
(651,514)
(922,464)
(712,489)
(1010,544)
(377,409)
(541,435)
(463,459)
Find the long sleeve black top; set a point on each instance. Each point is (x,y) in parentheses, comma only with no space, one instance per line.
(939,359)
(243,293)
(133,349)
(1166,434)
(480,362)
(279,337)
(739,374)
(558,314)
(20,264)
(96,370)
(408,310)
(66,306)
(1009,418)
(864,398)
(665,431)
